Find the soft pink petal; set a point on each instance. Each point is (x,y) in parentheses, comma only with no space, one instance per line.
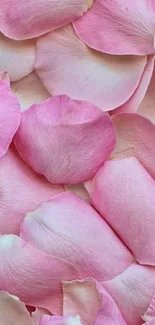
(60,320)
(29,90)
(150,313)
(92,302)
(5,77)
(135,137)
(65,140)
(16,58)
(78,189)
(28,19)
(21,191)
(123,193)
(132,104)
(67,66)
(119,26)
(133,290)
(68,227)
(9,116)
(33,276)
(12,311)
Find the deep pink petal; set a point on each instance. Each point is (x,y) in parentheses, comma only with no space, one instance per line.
(119,27)
(33,276)
(91,301)
(60,320)
(123,193)
(9,116)
(135,137)
(21,191)
(28,19)
(67,66)
(133,290)
(65,140)
(68,227)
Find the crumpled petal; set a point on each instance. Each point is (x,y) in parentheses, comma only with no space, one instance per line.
(65,140)
(12,311)
(119,27)
(29,90)
(21,191)
(28,19)
(68,227)
(149,315)
(16,58)
(123,193)
(132,291)
(67,66)
(9,116)
(135,137)
(60,320)
(33,276)
(92,302)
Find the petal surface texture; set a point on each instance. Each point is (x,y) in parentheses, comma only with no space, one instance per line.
(119,27)
(69,228)
(123,193)
(28,19)
(21,191)
(67,66)
(65,140)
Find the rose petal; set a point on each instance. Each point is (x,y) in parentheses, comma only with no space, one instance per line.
(133,290)
(12,311)
(32,18)
(5,77)
(34,276)
(21,190)
(119,27)
(135,137)
(16,58)
(67,66)
(150,313)
(123,193)
(78,189)
(91,301)
(9,117)
(68,227)
(29,90)
(65,140)
(60,320)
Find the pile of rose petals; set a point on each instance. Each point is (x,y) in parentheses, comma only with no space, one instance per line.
(77,162)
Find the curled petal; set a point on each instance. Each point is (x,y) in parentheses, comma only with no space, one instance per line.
(119,27)
(32,18)
(65,140)
(108,81)
(68,227)
(123,193)
(60,320)
(21,190)
(34,276)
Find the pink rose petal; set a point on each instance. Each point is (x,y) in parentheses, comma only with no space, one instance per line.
(33,276)
(5,77)
(149,315)
(9,116)
(60,320)
(68,227)
(78,189)
(119,26)
(21,191)
(28,19)
(67,66)
(65,140)
(123,193)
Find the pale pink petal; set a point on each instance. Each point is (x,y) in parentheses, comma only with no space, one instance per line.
(16,58)
(135,137)
(150,313)
(91,301)
(21,190)
(67,66)
(65,140)
(78,189)
(12,311)
(132,104)
(133,290)
(37,314)
(5,77)
(28,19)
(9,116)
(123,193)
(68,227)
(33,276)
(29,90)
(119,27)
(60,320)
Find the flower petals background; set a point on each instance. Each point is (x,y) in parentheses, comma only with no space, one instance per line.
(77,162)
